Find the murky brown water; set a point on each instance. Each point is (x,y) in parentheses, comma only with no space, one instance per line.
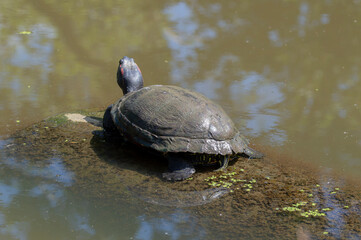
(287,72)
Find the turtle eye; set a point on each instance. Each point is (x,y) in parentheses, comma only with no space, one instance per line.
(121,61)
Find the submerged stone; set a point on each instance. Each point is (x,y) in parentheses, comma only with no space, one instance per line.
(279,199)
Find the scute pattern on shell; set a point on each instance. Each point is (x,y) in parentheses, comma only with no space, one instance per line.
(173,119)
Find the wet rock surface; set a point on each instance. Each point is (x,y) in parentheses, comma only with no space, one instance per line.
(256,199)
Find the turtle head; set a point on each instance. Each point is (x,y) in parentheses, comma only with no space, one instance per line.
(129,77)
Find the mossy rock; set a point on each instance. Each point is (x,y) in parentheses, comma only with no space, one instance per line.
(284,200)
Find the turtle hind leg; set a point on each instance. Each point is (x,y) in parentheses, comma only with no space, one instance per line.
(251,153)
(224,163)
(179,168)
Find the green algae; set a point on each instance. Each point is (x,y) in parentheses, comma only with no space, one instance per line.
(57,120)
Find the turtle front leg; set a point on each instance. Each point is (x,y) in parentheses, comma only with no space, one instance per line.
(108,123)
(224,163)
(179,168)
(110,130)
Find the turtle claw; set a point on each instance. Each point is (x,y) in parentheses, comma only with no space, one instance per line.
(223,163)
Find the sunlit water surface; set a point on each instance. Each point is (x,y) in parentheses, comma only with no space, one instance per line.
(287,72)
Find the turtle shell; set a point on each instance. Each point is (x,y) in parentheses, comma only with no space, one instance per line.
(174,119)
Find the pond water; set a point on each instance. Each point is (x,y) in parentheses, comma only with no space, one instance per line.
(287,72)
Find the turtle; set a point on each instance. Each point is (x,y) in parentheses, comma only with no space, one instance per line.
(184,126)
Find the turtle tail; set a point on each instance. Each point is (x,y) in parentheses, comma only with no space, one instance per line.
(253,153)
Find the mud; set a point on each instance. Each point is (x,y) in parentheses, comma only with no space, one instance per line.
(277,197)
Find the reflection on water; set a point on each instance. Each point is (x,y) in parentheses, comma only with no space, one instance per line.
(8,191)
(336,217)
(52,192)
(184,38)
(212,84)
(52,169)
(171,226)
(263,117)
(35,51)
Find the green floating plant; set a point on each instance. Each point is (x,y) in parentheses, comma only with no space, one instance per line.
(253,181)
(231,174)
(247,185)
(312,213)
(210,178)
(214,184)
(299,204)
(25,32)
(291,209)
(226,184)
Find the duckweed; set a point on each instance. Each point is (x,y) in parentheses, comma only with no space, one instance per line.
(210,178)
(308,213)
(214,184)
(248,185)
(326,209)
(291,209)
(231,174)
(25,32)
(299,204)
(314,213)
(229,180)
(298,207)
